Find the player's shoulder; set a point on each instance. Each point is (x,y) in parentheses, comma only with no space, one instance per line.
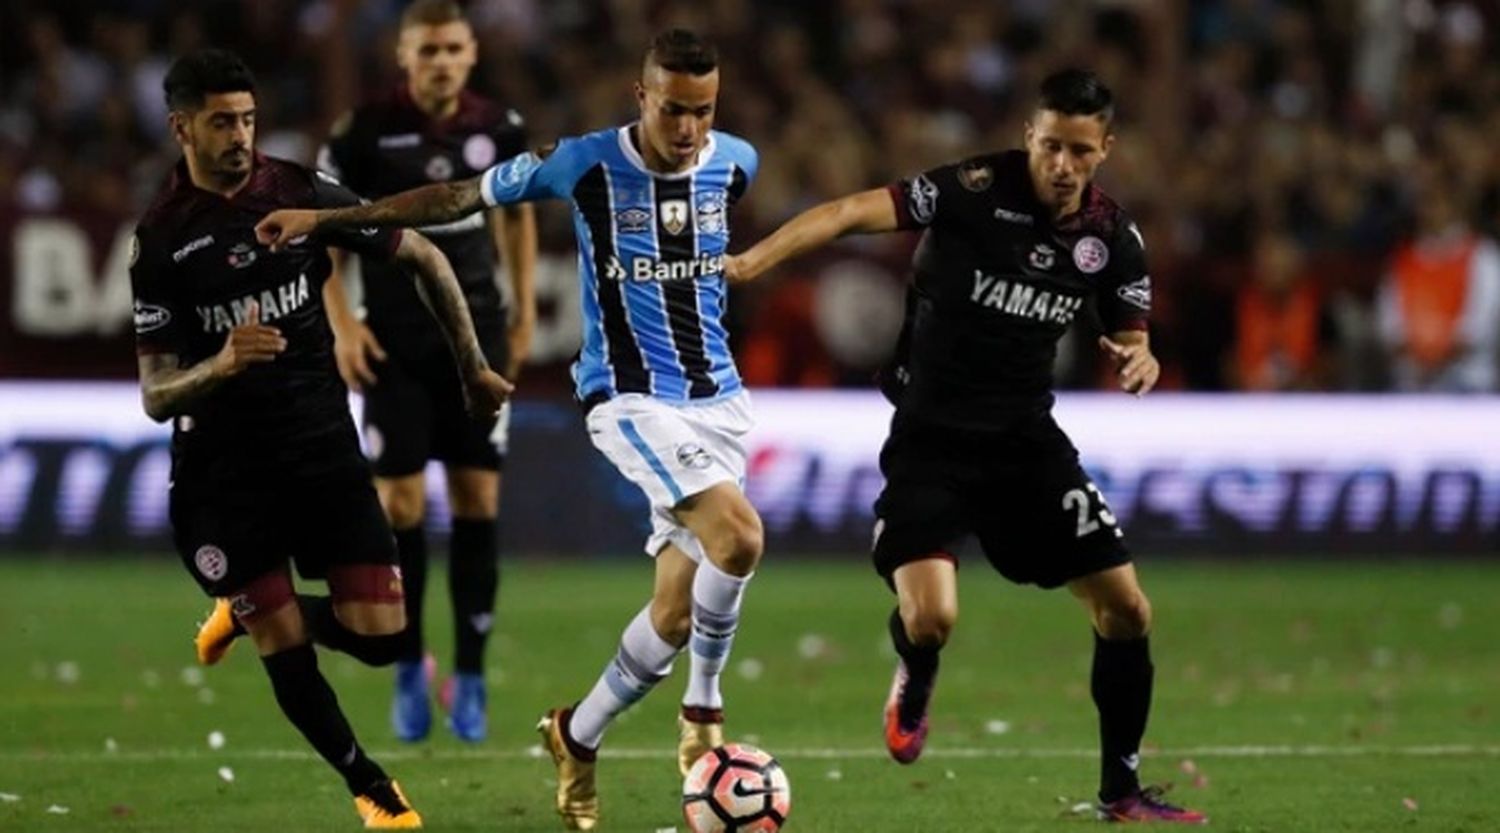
(1103,216)
(481,112)
(170,205)
(735,149)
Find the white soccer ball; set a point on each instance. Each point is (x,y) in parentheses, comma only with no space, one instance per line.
(733,788)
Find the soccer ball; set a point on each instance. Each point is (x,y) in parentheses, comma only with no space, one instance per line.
(733,788)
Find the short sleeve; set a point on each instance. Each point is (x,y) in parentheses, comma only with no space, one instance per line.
(374,242)
(923,200)
(159,312)
(1125,299)
(535,175)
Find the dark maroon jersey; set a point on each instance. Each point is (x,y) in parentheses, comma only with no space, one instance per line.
(389,145)
(996,285)
(195,269)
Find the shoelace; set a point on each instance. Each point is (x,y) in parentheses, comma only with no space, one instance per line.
(384,796)
(1154,795)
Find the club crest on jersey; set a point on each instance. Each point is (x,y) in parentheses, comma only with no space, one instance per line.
(921,199)
(975,176)
(241,255)
(674,216)
(439,169)
(479,151)
(633,220)
(1090,255)
(709,215)
(211,562)
(692,456)
(1137,293)
(1043,257)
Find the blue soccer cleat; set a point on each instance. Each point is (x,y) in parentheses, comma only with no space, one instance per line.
(411,710)
(467,719)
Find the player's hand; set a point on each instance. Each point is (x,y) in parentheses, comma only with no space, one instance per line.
(1137,368)
(355,351)
(279,228)
(485,392)
(249,343)
(520,336)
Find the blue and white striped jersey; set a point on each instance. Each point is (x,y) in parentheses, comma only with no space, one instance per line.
(651,252)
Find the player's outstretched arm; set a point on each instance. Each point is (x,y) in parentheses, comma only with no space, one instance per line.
(167,389)
(1138,369)
(484,389)
(428,205)
(866,212)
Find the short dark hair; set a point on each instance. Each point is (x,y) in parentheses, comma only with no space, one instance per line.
(432,13)
(678,50)
(196,75)
(1076,92)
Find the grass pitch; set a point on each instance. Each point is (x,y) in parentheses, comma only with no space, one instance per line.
(1291,696)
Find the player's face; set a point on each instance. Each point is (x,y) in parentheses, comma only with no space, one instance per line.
(437,59)
(219,136)
(1064,151)
(677,111)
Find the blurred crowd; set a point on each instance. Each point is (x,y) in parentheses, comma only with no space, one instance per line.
(1317,182)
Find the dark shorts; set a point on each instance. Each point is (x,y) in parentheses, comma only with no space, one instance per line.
(228,537)
(1034,512)
(415,413)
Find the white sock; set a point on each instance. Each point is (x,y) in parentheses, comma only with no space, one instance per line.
(643,660)
(716,616)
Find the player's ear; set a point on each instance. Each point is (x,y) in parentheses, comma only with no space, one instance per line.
(1109,142)
(1027,134)
(640,95)
(179,123)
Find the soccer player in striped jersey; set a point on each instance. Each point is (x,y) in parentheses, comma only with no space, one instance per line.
(665,403)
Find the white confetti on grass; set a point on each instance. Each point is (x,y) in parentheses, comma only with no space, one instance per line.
(216,739)
(58,810)
(67,672)
(9,798)
(997,727)
(111,746)
(226,774)
(191,675)
(751,669)
(834,775)
(812,646)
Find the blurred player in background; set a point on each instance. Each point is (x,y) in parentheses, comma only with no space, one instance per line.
(431,129)
(665,404)
(266,467)
(1016,246)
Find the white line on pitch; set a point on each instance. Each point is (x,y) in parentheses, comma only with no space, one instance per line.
(825,753)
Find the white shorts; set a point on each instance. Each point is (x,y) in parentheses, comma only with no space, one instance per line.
(673,452)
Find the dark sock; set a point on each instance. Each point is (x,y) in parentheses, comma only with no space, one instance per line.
(411,546)
(1121,684)
(921,672)
(326,630)
(473,579)
(310,704)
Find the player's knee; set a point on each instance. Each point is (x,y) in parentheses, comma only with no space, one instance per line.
(372,619)
(1128,618)
(404,505)
(742,542)
(930,625)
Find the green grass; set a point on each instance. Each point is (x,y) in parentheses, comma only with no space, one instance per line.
(1359,669)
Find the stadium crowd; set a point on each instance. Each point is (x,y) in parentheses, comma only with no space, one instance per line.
(1317,182)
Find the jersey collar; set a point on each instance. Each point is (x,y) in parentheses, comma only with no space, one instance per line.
(633,156)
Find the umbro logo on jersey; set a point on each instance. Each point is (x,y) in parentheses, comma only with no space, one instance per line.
(633,221)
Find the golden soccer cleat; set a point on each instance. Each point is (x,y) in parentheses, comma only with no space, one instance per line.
(216,634)
(698,731)
(577,796)
(384,807)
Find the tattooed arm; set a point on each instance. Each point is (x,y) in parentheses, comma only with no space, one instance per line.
(484,389)
(168,389)
(428,205)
